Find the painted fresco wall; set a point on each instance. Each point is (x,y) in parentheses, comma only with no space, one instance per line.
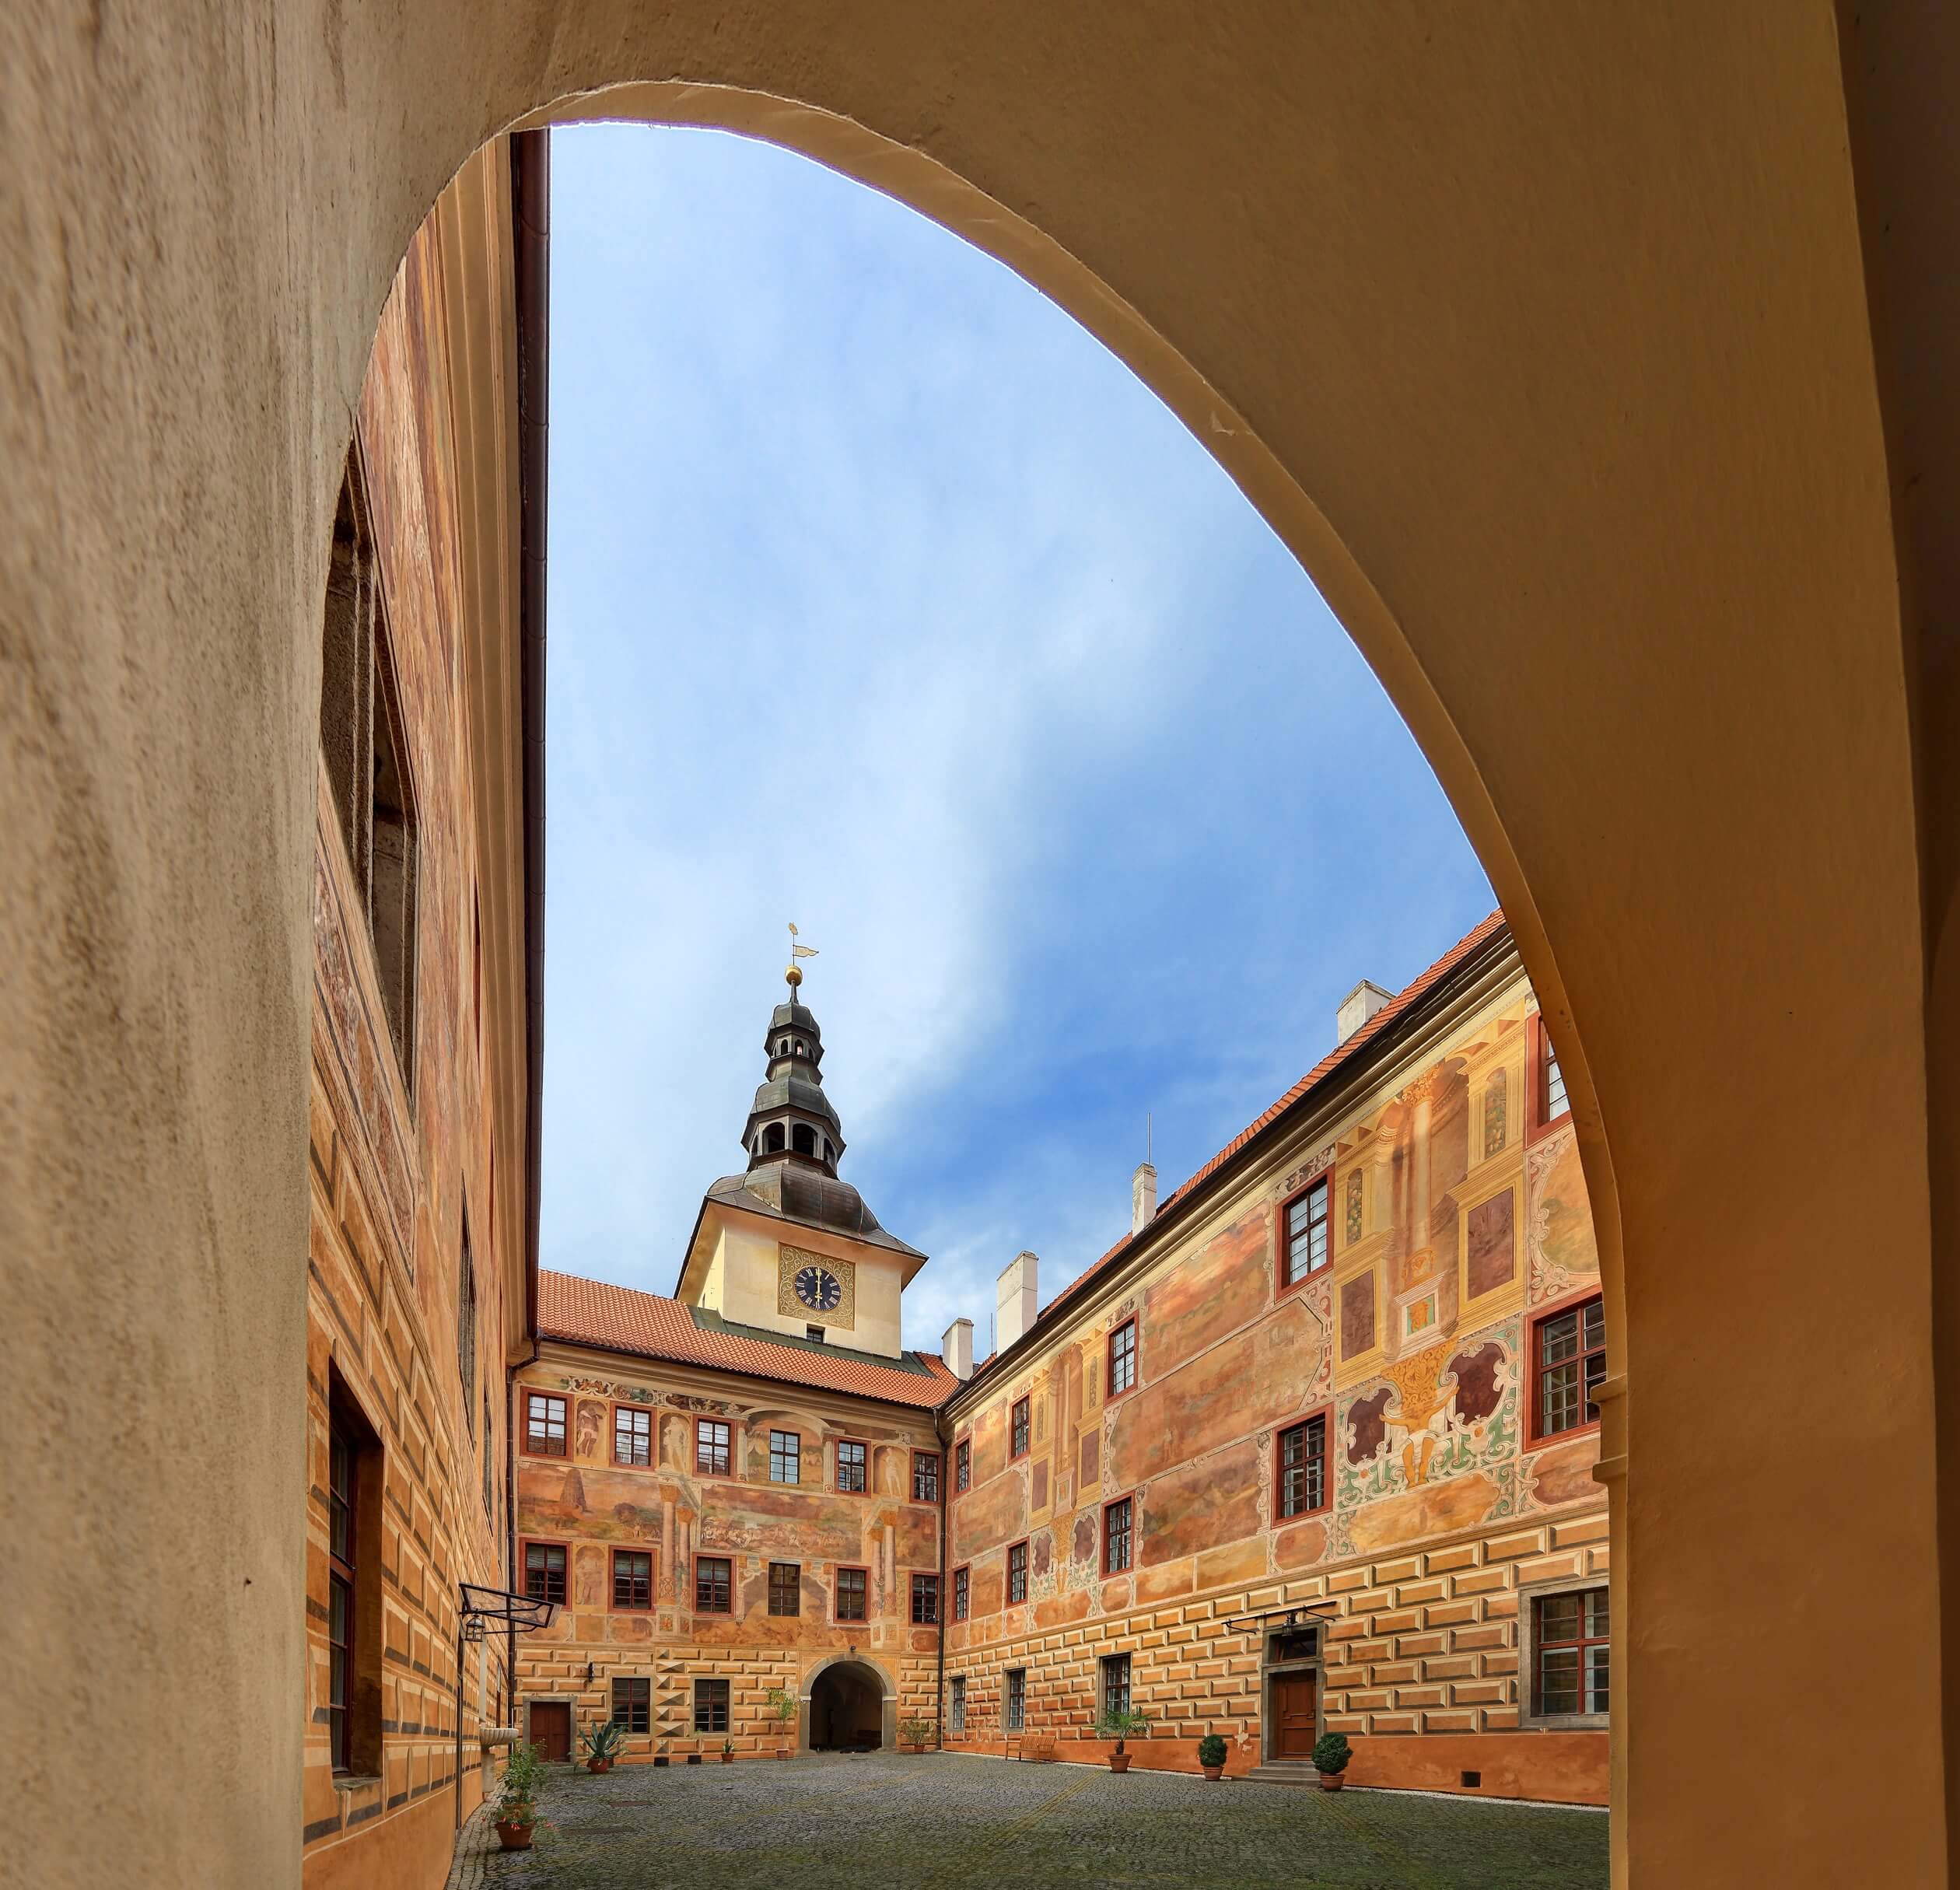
(592,1505)
(389,1180)
(1457,1218)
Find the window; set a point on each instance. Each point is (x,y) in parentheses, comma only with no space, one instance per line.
(1570,1361)
(1555,1104)
(1570,1653)
(1300,1468)
(340,1592)
(1116,1536)
(488,1456)
(711,1448)
(785,1588)
(1018,1573)
(1015,1713)
(785,1456)
(544,1571)
(925,1600)
(1017,1428)
(850,1594)
(544,1424)
(815,1334)
(963,1465)
(1544,1080)
(1305,1235)
(361,740)
(632,1703)
(850,1466)
(714,1585)
(466,1324)
(962,1589)
(1116,1683)
(1123,1358)
(957,1713)
(632,1435)
(926,1468)
(353,1597)
(633,1578)
(711,1706)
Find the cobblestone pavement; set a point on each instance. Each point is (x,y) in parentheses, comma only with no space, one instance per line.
(934,1822)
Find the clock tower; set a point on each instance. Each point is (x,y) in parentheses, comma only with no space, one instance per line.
(786,1248)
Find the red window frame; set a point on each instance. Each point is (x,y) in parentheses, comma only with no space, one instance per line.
(861,1589)
(1020,1429)
(928,1461)
(630,1605)
(1110,1357)
(632,1703)
(792,1587)
(1127,1536)
(1542,1058)
(862,1486)
(962,1466)
(343,1495)
(1013,1707)
(1322,1184)
(792,1458)
(962,1593)
(707,1450)
(1281,1514)
(559,1446)
(1020,1570)
(1579,1303)
(640,1427)
(924,1593)
(726,1565)
(714,1704)
(563,1571)
(1581,1644)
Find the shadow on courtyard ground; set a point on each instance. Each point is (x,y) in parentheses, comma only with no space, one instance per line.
(886,1822)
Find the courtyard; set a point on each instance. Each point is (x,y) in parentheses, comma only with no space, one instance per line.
(890,1822)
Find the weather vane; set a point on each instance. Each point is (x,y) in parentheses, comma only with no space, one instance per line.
(793,976)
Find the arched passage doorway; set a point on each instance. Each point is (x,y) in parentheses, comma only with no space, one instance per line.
(849,1707)
(1566,389)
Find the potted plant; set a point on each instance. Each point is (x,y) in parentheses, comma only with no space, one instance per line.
(728,1751)
(1119,1723)
(516,1814)
(1211,1755)
(602,1744)
(1331,1753)
(915,1734)
(782,1706)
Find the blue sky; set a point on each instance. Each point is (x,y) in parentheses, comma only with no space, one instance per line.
(884,600)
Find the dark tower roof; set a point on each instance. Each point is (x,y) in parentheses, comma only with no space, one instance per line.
(794,1139)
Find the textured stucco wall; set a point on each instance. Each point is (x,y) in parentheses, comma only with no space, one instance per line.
(1539,333)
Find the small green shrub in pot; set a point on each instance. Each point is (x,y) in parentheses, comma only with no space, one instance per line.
(917,1732)
(1211,1750)
(1119,1723)
(1331,1753)
(517,1797)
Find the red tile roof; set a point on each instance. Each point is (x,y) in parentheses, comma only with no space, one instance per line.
(1342,1052)
(591,1312)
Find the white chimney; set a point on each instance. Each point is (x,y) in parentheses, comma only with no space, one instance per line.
(1357,1007)
(1014,1299)
(1142,1197)
(957,1349)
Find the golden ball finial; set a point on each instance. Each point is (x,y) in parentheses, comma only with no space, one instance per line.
(793,977)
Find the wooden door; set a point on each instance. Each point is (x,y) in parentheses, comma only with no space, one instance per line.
(1295,1699)
(551,1728)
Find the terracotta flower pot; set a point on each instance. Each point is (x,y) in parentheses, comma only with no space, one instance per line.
(1332,1781)
(1214,1772)
(1119,1762)
(904,1748)
(728,1758)
(514,1837)
(598,1765)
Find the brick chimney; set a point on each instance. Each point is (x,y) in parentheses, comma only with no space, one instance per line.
(1142,1197)
(1014,1299)
(957,1349)
(1357,1007)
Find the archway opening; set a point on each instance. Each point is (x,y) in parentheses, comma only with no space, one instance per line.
(847,1710)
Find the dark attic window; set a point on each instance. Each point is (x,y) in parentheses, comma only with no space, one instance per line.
(362,740)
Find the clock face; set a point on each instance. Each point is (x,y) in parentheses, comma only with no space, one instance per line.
(817,1287)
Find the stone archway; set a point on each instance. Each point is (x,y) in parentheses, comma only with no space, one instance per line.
(1542,335)
(849,1705)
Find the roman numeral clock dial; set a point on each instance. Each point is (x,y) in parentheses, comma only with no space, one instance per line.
(818,1289)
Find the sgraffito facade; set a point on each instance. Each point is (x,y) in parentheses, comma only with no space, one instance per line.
(1312,1450)
(417,1255)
